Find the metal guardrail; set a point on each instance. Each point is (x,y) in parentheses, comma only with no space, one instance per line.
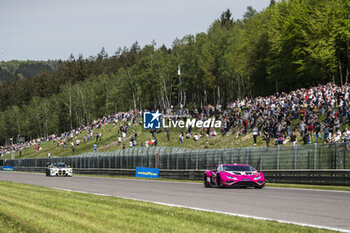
(311,156)
(315,177)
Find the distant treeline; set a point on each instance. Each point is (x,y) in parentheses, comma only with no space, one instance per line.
(290,44)
(24,69)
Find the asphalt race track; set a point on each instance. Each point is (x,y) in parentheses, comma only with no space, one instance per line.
(315,207)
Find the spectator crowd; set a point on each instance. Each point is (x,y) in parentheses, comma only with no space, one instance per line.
(309,112)
(316,114)
(319,114)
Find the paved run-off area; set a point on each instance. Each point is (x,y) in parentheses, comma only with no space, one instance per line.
(315,207)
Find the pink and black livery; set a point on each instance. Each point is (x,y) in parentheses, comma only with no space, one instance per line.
(234,175)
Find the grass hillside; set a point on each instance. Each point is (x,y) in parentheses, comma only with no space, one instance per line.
(109,142)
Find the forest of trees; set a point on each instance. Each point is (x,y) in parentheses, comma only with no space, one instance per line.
(288,45)
(24,69)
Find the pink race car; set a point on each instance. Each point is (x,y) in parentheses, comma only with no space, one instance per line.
(230,175)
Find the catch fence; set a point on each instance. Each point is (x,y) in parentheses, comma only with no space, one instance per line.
(311,156)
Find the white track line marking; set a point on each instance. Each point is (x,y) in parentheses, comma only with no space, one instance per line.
(304,189)
(197,183)
(211,211)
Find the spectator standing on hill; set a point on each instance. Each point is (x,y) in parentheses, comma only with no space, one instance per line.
(135,135)
(95,147)
(318,131)
(302,126)
(288,123)
(255,134)
(245,125)
(337,124)
(260,125)
(167,134)
(280,129)
(346,136)
(347,114)
(267,136)
(310,130)
(119,140)
(336,137)
(49,155)
(153,132)
(181,137)
(306,137)
(293,139)
(326,134)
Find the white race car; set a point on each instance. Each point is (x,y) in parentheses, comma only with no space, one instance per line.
(59,169)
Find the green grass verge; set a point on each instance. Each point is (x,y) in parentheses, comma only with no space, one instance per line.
(28,208)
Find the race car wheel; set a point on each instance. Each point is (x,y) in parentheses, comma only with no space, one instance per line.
(206,182)
(220,185)
(47,172)
(259,187)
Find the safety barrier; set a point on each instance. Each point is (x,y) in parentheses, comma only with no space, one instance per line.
(311,156)
(316,177)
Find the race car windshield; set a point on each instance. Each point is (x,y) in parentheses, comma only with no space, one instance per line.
(238,168)
(60,165)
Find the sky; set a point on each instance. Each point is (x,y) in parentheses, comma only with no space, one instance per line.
(54,29)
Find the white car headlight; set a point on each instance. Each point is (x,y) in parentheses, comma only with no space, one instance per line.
(257,178)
